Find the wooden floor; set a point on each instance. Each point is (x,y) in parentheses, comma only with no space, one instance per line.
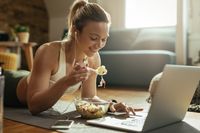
(120,94)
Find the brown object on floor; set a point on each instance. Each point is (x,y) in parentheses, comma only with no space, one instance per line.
(28,50)
(9,60)
(14,47)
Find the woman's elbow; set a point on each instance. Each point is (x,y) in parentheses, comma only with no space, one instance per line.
(34,108)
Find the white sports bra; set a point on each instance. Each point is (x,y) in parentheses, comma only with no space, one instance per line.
(62,68)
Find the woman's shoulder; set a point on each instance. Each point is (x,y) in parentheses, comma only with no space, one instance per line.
(49,47)
(48,51)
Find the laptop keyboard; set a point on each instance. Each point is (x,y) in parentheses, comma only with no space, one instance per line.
(133,122)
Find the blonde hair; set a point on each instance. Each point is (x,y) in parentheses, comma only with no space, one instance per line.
(82,11)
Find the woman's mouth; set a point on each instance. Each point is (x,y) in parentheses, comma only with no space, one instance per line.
(93,51)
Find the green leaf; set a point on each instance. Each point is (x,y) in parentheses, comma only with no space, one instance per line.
(21,28)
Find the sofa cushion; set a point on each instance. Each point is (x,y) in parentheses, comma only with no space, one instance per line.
(121,39)
(12,79)
(136,67)
(155,39)
(153,43)
(162,38)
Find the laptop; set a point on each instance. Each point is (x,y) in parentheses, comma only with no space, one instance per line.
(169,104)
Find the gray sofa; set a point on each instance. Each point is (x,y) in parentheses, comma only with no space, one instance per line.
(134,56)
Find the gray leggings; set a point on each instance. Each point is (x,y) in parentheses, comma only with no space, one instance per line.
(12,79)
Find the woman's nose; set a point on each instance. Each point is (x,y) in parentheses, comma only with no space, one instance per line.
(100,44)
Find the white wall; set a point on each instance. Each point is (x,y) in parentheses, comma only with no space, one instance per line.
(116,8)
(194,29)
(181,32)
(56,27)
(58,11)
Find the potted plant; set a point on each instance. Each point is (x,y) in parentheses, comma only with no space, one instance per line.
(22,33)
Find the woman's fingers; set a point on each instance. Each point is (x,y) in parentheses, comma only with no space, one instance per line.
(138,109)
(112,108)
(79,70)
(80,77)
(122,107)
(80,74)
(131,110)
(77,66)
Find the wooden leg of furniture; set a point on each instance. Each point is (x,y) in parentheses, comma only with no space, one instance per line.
(3,49)
(28,50)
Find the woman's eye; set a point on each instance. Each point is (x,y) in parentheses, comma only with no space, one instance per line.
(93,38)
(104,40)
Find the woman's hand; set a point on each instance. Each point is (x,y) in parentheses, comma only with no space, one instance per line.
(122,107)
(78,74)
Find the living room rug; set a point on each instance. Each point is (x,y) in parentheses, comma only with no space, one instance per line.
(45,119)
(66,110)
(61,110)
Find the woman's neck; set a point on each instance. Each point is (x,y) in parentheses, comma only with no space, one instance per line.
(75,51)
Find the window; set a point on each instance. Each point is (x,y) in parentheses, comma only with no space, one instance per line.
(150,13)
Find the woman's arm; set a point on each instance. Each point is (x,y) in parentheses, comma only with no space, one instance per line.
(40,96)
(89,89)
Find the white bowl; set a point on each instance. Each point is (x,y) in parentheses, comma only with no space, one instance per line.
(89,109)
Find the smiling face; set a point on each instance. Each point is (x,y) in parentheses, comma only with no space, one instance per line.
(92,38)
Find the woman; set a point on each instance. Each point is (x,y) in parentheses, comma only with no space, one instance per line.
(58,66)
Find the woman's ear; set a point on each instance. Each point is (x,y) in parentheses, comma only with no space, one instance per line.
(74,32)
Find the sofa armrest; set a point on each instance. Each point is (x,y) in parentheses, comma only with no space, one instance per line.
(134,68)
